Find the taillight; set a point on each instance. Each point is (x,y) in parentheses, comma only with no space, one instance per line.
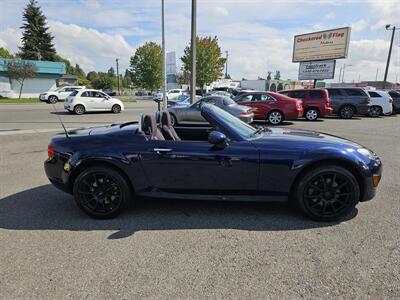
(245,113)
(367,100)
(50,151)
(390,100)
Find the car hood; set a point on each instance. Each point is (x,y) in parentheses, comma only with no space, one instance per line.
(305,137)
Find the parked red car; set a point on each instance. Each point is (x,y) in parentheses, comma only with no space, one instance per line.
(316,102)
(271,106)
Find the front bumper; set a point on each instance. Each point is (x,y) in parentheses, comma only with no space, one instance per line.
(369,188)
(43,98)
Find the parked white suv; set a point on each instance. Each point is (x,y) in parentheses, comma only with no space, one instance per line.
(171,95)
(81,101)
(59,94)
(381,103)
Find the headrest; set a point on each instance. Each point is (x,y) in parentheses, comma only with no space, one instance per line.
(166,118)
(149,124)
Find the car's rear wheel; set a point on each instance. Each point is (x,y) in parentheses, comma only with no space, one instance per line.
(375,111)
(327,193)
(53,99)
(347,112)
(275,117)
(312,114)
(174,121)
(101,192)
(79,109)
(116,109)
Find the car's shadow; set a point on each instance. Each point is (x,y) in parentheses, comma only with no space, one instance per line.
(339,118)
(66,113)
(46,208)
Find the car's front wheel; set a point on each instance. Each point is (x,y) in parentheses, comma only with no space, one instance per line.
(101,192)
(275,117)
(327,193)
(347,112)
(116,109)
(174,121)
(375,111)
(53,99)
(79,109)
(312,114)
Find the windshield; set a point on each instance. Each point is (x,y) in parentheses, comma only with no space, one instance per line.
(230,122)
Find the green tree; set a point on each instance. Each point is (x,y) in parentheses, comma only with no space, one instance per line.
(269,77)
(127,79)
(20,70)
(103,81)
(37,41)
(183,77)
(277,75)
(79,72)
(209,62)
(111,72)
(146,66)
(5,53)
(92,75)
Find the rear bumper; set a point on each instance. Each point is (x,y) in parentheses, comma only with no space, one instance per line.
(247,119)
(327,110)
(56,174)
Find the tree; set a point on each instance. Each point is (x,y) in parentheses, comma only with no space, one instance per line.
(103,81)
(183,77)
(111,72)
(277,75)
(19,71)
(146,66)
(79,72)
(37,42)
(5,53)
(127,79)
(209,62)
(269,77)
(92,75)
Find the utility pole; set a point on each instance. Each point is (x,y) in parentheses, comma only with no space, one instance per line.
(226,65)
(164,87)
(340,73)
(116,60)
(344,68)
(393,29)
(193,54)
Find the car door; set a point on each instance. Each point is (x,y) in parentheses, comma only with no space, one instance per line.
(196,166)
(88,100)
(63,93)
(101,101)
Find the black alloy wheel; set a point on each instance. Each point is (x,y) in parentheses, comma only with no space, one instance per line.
(53,99)
(375,111)
(347,112)
(174,121)
(101,192)
(116,109)
(327,193)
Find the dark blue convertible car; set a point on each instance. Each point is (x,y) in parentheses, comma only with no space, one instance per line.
(107,167)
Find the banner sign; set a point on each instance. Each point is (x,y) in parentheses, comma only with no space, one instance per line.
(317,70)
(322,45)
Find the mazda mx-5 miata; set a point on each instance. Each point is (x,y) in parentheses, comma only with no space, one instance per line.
(107,167)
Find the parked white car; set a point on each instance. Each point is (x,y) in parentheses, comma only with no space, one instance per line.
(171,95)
(81,101)
(59,94)
(381,103)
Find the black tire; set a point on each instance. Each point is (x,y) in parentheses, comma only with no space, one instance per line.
(174,121)
(79,109)
(116,109)
(312,114)
(101,192)
(327,193)
(275,117)
(53,99)
(347,112)
(375,111)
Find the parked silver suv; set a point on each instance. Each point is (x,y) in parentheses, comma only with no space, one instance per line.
(347,102)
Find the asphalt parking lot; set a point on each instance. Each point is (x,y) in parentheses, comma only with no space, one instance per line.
(184,249)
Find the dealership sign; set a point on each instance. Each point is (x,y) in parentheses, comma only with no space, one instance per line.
(317,70)
(322,45)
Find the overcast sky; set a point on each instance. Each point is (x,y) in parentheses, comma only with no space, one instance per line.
(257,34)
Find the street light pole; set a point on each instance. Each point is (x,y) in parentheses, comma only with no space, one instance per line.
(340,73)
(226,65)
(116,60)
(393,29)
(164,84)
(193,54)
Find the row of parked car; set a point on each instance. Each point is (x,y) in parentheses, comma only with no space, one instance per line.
(273,107)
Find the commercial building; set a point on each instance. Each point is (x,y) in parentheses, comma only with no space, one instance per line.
(47,74)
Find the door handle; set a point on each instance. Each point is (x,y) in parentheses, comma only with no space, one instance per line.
(161,150)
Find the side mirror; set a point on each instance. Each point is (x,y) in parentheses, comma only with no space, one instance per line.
(218,139)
